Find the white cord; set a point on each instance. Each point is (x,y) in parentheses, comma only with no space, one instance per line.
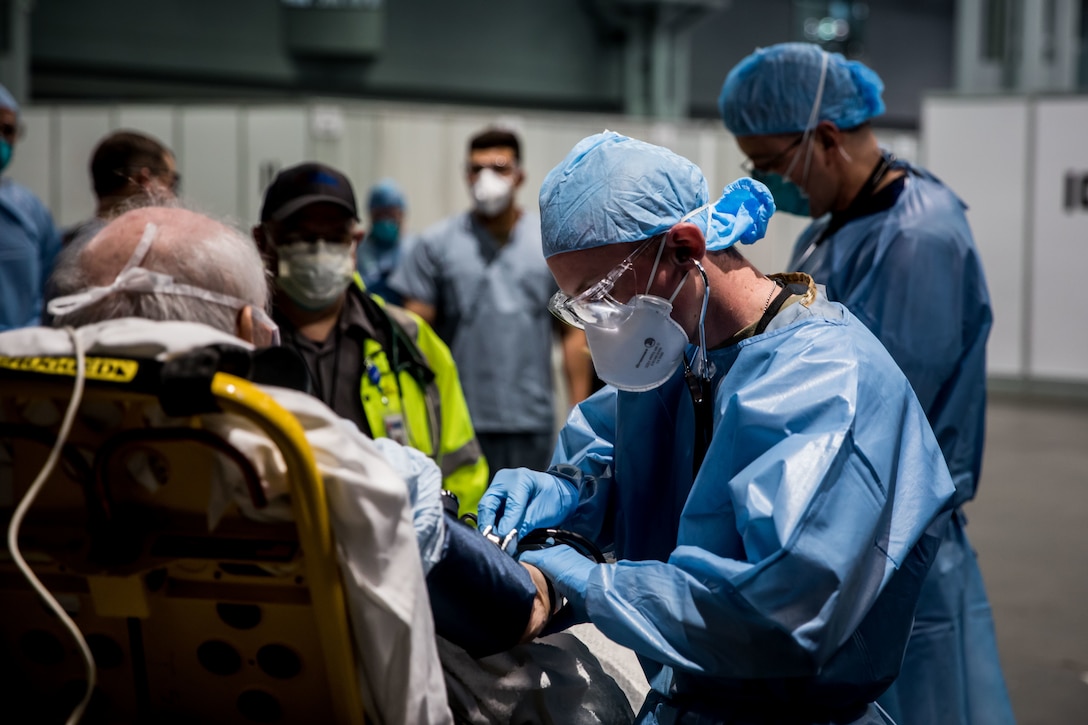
(24,506)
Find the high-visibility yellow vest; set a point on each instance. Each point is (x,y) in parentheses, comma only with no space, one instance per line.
(417,386)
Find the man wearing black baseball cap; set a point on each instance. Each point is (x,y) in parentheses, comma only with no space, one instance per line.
(375,364)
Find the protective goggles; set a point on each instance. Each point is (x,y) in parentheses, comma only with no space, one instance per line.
(136,279)
(596,306)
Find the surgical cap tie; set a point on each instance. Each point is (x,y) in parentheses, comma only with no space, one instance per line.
(740,214)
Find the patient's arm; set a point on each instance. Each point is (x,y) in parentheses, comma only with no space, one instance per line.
(483,600)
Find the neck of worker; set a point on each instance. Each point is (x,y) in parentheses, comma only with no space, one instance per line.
(500,226)
(314,325)
(739,295)
(859,158)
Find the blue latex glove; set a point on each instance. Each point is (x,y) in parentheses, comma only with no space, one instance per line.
(568,570)
(531,500)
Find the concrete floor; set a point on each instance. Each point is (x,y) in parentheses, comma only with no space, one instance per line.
(1029,525)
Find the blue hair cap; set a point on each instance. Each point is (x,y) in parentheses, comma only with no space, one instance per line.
(8,101)
(612,189)
(385,193)
(773,90)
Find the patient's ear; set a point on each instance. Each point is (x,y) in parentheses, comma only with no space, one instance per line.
(245,324)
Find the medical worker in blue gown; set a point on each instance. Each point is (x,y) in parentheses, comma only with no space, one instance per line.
(758,465)
(890,242)
(29,242)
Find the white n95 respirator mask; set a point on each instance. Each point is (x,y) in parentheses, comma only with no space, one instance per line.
(315,274)
(492,193)
(644,351)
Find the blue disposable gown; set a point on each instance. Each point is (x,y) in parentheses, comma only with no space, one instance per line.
(913,275)
(28,247)
(783,578)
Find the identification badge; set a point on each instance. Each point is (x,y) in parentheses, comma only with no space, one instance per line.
(395,428)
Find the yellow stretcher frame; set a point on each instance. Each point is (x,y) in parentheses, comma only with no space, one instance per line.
(310,508)
(237,396)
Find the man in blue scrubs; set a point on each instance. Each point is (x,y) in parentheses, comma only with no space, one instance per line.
(892,243)
(758,465)
(28,240)
(478,277)
(380,250)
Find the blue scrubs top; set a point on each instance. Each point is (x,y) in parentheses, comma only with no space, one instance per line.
(376,265)
(28,247)
(781,580)
(908,268)
(492,305)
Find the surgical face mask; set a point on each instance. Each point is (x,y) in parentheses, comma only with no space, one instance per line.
(5,153)
(134,279)
(315,274)
(385,233)
(492,193)
(645,348)
(788,196)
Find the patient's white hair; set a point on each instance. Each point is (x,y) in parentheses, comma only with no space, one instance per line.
(193,248)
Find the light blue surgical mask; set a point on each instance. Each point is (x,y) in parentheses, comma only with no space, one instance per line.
(788,196)
(5,153)
(385,233)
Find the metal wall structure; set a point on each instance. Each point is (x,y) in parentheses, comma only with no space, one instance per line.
(581,55)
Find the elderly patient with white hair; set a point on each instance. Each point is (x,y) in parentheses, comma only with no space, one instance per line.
(169,268)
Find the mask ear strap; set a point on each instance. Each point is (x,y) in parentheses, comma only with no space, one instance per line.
(814,115)
(142,248)
(657,261)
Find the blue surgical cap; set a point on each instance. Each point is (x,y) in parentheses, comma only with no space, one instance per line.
(611,189)
(773,90)
(384,194)
(8,101)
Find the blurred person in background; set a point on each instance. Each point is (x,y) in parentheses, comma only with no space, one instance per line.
(373,363)
(380,250)
(29,241)
(128,169)
(479,277)
(892,243)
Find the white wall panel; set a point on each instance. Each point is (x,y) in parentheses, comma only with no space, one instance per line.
(360,155)
(273,138)
(1059,334)
(78,131)
(157,121)
(208,159)
(415,150)
(979,147)
(32,162)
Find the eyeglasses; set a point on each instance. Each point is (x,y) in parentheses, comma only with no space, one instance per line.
(749,167)
(173,182)
(312,238)
(596,306)
(501,168)
(9,130)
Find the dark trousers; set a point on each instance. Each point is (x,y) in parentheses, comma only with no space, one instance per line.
(517,450)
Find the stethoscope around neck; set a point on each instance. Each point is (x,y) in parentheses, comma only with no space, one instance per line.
(887,163)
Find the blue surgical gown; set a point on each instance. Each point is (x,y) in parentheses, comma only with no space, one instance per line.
(913,275)
(782,579)
(28,247)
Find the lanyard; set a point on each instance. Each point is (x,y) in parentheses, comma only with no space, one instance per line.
(838,221)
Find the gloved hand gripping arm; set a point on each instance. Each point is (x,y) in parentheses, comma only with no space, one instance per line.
(522,500)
